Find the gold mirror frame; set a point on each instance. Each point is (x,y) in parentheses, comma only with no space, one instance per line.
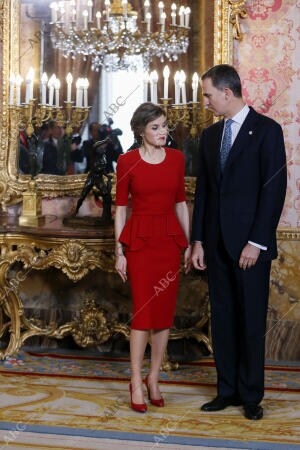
(12,184)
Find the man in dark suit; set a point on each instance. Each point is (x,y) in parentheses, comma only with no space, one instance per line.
(239,198)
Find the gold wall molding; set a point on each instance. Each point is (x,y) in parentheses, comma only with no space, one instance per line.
(288,234)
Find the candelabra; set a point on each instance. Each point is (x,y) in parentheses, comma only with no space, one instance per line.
(115,37)
(190,115)
(31,115)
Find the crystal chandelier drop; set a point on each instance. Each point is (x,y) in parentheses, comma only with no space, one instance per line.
(116,36)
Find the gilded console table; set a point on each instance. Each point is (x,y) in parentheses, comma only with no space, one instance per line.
(75,252)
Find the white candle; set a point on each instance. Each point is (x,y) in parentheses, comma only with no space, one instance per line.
(73,15)
(124,3)
(44,81)
(161,9)
(187,17)
(79,89)
(29,85)
(98,18)
(181,15)
(195,83)
(107,5)
(182,85)
(173,13)
(163,21)
(85,92)
(90,10)
(134,23)
(72,11)
(54,8)
(69,80)
(85,19)
(145,86)
(148,20)
(146,7)
(57,87)
(19,81)
(166,74)
(51,89)
(77,92)
(177,87)
(61,12)
(153,84)
(12,82)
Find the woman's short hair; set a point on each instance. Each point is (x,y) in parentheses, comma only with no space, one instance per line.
(145,113)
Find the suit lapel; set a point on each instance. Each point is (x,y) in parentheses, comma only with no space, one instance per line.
(243,139)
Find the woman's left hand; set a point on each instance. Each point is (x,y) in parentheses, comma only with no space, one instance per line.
(187,259)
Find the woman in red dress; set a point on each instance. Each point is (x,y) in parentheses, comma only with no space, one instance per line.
(149,244)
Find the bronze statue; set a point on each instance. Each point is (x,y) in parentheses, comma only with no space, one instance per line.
(102,188)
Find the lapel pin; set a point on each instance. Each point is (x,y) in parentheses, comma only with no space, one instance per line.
(250,132)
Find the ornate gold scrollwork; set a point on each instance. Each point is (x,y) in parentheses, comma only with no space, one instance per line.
(238,10)
(75,258)
(1,16)
(91,327)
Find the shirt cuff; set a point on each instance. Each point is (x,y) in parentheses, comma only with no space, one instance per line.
(262,247)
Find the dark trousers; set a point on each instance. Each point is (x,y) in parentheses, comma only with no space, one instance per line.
(239,301)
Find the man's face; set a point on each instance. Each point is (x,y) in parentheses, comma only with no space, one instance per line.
(95,132)
(56,131)
(214,99)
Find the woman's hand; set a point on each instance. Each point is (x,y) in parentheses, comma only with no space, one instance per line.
(121,266)
(187,259)
(198,256)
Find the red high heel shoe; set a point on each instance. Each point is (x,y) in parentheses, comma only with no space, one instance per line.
(160,402)
(140,407)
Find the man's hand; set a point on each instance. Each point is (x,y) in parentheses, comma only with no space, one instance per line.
(249,256)
(198,256)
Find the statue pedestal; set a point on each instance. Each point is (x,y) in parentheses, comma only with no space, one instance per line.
(32,207)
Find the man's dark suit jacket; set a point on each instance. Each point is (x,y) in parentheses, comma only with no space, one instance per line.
(245,202)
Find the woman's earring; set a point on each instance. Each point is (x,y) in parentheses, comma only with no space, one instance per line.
(142,142)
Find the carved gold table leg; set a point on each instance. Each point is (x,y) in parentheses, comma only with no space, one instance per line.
(12,309)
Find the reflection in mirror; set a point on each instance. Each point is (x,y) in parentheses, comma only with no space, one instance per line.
(112,96)
(51,151)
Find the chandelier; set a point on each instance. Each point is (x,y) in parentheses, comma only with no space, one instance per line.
(115,37)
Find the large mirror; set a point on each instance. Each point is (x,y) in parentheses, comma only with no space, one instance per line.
(27,41)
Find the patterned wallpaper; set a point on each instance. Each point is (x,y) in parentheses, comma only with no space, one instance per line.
(268,60)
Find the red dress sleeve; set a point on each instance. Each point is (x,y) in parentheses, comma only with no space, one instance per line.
(180,195)
(122,186)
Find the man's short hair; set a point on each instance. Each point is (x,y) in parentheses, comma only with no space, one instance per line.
(92,125)
(224,76)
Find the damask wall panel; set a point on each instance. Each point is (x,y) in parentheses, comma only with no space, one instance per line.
(268,60)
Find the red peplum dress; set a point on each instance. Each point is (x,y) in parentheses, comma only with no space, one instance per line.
(153,236)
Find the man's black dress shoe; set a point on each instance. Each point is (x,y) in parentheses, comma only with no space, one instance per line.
(219,403)
(253,411)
